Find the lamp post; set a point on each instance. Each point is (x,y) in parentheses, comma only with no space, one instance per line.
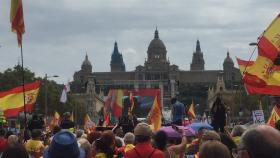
(46,93)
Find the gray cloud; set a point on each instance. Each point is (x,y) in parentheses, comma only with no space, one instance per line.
(59,33)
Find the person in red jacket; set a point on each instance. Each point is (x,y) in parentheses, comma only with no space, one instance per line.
(143,147)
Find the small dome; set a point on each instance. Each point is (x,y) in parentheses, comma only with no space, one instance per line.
(156,42)
(228,59)
(86,62)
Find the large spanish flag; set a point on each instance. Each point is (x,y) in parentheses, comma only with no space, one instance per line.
(154,116)
(275,116)
(269,43)
(253,87)
(11,101)
(16,19)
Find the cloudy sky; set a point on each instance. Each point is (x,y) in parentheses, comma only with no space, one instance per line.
(60,32)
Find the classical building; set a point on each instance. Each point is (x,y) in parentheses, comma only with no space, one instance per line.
(157,72)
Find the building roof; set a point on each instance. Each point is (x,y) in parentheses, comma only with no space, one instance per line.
(86,62)
(228,59)
(156,43)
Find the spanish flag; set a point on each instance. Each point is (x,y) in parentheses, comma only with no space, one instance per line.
(269,43)
(275,116)
(11,101)
(16,19)
(117,102)
(252,88)
(191,112)
(154,116)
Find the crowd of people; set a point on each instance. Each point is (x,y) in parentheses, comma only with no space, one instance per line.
(256,141)
(133,139)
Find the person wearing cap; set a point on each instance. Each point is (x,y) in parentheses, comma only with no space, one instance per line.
(66,123)
(143,147)
(64,145)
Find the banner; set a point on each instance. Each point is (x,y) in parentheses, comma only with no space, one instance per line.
(258,117)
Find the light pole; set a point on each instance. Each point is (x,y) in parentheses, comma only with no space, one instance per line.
(46,93)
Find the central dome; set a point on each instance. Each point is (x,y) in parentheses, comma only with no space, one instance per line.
(156,43)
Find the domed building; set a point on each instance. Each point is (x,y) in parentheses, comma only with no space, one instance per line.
(157,72)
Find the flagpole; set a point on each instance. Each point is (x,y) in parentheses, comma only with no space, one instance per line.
(23,87)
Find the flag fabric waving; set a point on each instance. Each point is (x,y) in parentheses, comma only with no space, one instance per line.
(269,43)
(154,116)
(88,124)
(66,89)
(191,112)
(11,101)
(55,120)
(275,116)
(131,100)
(16,19)
(257,89)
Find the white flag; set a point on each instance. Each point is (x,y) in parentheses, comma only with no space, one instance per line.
(66,89)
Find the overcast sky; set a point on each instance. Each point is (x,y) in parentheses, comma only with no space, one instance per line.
(60,32)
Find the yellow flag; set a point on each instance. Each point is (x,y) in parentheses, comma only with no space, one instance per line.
(155,115)
(191,112)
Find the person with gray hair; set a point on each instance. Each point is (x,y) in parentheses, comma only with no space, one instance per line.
(261,141)
(236,133)
(13,140)
(129,139)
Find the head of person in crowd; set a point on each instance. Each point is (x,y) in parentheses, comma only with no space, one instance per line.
(236,133)
(277,125)
(173,100)
(92,136)
(12,140)
(260,141)
(56,129)
(84,144)
(8,134)
(200,132)
(129,138)
(79,133)
(160,140)
(66,116)
(213,149)
(64,144)
(118,142)
(210,135)
(119,132)
(2,132)
(142,133)
(36,134)
(15,151)
(105,144)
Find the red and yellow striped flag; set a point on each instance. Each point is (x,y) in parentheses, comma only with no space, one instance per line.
(154,116)
(251,84)
(275,116)
(11,101)
(270,41)
(191,112)
(16,19)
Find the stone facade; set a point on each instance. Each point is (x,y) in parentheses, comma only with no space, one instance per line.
(157,72)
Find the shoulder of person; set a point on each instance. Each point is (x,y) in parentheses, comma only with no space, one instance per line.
(158,154)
